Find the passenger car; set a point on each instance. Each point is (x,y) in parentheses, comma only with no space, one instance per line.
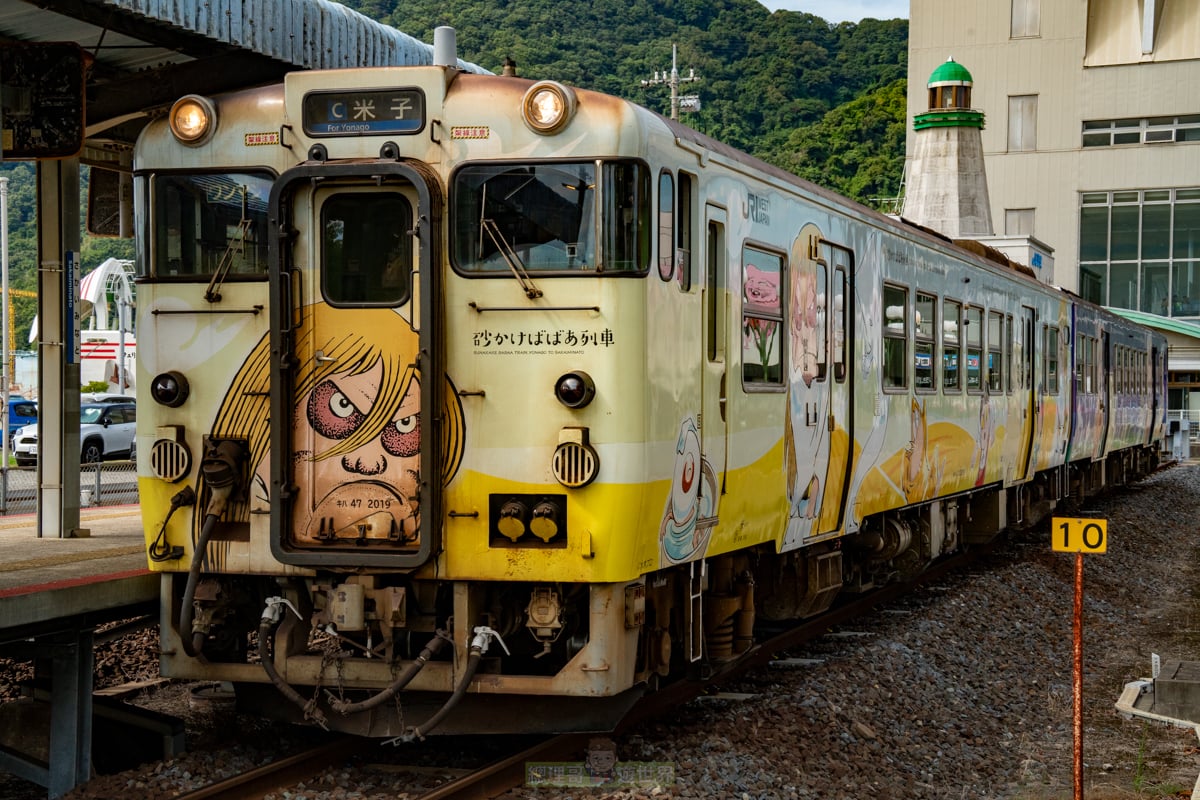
(105,431)
(21,412)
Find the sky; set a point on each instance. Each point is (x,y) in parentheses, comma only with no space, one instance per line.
(843,10)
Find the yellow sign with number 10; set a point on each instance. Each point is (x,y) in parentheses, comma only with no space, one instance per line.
(1073,535)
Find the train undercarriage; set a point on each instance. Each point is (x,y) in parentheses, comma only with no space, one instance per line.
(384,655)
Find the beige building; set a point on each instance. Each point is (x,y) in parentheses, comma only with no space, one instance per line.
(1091,142)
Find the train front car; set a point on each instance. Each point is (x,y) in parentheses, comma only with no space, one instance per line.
(398,363)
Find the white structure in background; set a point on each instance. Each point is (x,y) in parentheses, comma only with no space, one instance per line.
(107,343)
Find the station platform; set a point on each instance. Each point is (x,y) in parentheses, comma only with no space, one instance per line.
(45,580)
(53,593)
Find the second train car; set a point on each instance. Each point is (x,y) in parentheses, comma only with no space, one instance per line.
(474,403)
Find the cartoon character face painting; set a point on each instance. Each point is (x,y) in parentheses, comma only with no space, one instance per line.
(356,429)
(690,512)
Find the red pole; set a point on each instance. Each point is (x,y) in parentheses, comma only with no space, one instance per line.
(1078,683)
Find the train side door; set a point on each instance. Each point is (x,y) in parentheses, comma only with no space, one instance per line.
(1027,390)
(836,273)
(1105,391)
(713,380)
(351,471)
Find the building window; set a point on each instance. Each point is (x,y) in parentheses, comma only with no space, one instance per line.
(1018,222)
(1022,123)
(1026,18)
(1148,130)
(1141,250)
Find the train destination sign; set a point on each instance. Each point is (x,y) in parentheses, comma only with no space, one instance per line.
(362,113)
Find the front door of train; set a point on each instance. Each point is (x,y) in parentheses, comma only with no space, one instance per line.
(352,274)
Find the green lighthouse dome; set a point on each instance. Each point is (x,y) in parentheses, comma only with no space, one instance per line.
(951,73)
(949,99)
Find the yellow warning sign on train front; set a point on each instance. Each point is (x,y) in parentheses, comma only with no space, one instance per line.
(1075,535)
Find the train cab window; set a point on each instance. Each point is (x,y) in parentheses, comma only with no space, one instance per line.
(210,221)
(924,325)
(974,326)
(995,356)
(551,217)
(1050,362)
(762,317)
(951,345)
(895,337)
(367,251)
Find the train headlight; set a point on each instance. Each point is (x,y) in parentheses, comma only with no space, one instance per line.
(547,107)
(169,388)
(575,389)
(193,119)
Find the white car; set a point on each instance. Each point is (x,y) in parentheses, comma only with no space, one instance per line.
(105,431)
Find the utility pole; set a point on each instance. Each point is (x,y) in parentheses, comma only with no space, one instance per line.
(673,80)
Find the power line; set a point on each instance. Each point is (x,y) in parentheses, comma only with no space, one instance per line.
(672,79)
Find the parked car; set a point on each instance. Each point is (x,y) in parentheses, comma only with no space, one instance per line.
(105,431)
(21,412)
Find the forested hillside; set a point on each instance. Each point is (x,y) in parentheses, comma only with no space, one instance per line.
(825,101)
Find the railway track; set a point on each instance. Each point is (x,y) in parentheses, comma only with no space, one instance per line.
(508,772)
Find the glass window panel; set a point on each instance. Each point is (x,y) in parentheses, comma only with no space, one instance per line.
(1127,137)
(951,344)
(1093,233)
(761,275)
(1187,194)
(1156,296)
(925,315)
(1185,233)
(1123,244)
(1102,125)
(1155,196)
(895,340)
(367,254)
(202,220)
(1160,121)
(1187,135)
(1185,289)
(1156,231)
(1091,282)
(666,226)
(1122,285)
(1128,123)
(1097,140)
(1188,119)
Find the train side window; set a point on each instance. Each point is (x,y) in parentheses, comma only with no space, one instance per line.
(924,325)
(684,212)
(1013,352)
(895,337)
(951,345)
(715,292)
(820,321)
(974,326)
(762,317)
(995,358)
(839,324)
(1050,381)
(666,225)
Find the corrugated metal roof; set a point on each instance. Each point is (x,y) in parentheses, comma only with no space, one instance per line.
(145,54)
(312,34)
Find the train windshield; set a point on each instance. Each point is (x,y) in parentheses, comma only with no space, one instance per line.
(209,223)
(551,217)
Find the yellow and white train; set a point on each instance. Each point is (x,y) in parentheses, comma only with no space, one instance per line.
(483,404)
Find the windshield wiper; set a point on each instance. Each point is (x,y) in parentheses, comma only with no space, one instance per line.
(236,246)
(511,258)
